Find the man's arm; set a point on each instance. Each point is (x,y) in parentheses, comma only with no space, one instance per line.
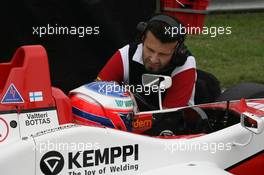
(182,89)
(113,70)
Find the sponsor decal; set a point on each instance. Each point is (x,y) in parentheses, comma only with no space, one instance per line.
(106,156)
(52,163)
(142,122)
(121,103)
(35,96)
(12,95)
(37,118)
(32,122)
(95,161)
(4,130)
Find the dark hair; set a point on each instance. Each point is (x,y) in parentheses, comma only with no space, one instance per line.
(158,29)
(163,30)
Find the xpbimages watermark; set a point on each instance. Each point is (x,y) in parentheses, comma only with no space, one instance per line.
(80,31)
(211,147)
(65,146)
(212,31)
(116,88)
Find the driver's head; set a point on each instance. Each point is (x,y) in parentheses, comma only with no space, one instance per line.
(159,45)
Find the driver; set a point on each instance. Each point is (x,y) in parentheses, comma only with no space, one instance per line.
(160,50)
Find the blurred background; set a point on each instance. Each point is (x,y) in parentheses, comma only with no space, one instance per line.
(233,58)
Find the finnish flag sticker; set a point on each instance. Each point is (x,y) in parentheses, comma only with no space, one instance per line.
(35,96)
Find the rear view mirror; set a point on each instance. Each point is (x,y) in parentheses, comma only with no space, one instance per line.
(160,81)
(163,82)
(252,122)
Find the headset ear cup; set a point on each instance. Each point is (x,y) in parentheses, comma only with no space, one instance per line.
(180,55)
(141,26)
(182,49)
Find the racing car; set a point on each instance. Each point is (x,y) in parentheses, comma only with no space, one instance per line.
(97,131)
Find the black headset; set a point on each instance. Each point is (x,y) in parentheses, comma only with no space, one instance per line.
(181,50)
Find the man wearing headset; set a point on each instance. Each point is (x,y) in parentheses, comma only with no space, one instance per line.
(158,52)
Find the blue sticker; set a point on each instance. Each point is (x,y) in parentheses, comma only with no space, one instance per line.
(12,95)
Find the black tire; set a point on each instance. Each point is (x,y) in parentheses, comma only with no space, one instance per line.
(243,90)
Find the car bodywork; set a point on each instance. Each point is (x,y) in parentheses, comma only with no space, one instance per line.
(38,134)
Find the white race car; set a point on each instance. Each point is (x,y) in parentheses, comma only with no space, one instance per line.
(43,131)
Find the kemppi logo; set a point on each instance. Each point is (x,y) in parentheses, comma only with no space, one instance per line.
(52,163)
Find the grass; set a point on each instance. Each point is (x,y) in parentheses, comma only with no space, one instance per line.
(234,58)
